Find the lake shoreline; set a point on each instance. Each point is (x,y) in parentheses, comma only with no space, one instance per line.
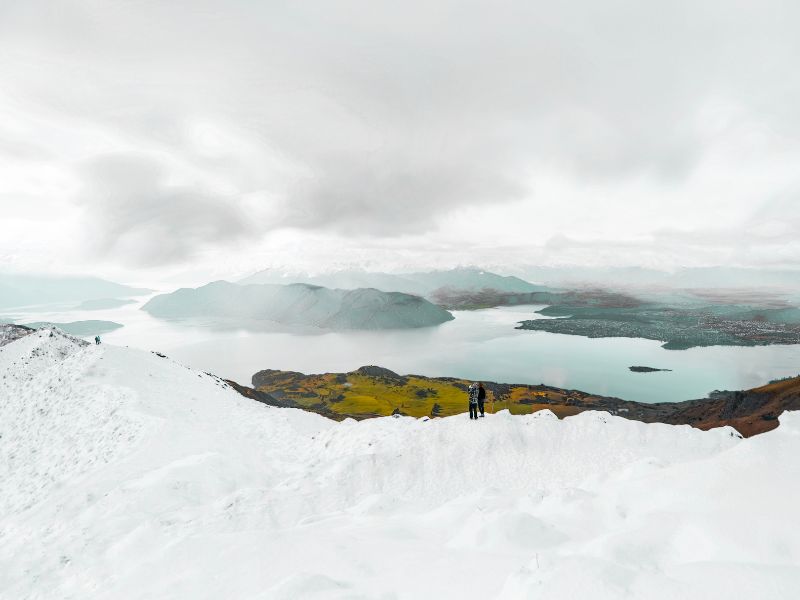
(482,344)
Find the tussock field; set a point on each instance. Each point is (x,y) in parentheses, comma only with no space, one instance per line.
(373,391)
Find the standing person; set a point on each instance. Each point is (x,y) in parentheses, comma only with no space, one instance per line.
(473,400)
(97,340)
(481,397)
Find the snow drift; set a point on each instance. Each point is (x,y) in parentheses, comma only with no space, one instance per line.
(126,475)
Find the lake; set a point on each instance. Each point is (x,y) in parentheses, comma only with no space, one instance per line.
(479,344)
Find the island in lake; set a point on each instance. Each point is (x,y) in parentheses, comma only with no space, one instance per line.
(298,304)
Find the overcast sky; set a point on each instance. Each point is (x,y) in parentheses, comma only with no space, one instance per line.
(151,139)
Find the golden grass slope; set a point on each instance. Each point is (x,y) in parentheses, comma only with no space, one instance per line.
(373,391)
(361,395)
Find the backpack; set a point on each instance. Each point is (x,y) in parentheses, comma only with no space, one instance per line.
(473,394)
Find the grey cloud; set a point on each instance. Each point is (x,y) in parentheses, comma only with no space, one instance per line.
(778,217)
(388,197)
(383,117)
(134,213)
(22,150)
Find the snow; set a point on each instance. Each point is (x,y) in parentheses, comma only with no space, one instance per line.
(127,475)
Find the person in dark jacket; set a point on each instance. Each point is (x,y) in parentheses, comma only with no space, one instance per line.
(474,392)
(481,397)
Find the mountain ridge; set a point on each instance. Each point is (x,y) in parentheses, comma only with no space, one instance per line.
(422,283)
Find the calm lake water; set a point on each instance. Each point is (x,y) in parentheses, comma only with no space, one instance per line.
(476,345)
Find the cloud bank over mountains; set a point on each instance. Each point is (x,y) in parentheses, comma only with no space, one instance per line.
(159,135)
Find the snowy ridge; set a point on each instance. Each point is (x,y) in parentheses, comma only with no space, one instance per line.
(126,475)
(43,412)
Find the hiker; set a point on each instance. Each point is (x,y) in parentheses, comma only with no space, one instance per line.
(97,340)
(474,391)
(481,397)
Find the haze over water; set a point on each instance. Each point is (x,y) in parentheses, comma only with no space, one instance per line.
(476,345)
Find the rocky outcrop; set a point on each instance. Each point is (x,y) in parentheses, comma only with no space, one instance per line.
(381,373)
(750,411)
(10,333)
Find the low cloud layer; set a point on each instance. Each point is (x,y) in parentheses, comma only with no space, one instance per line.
(134,212)
(154,133)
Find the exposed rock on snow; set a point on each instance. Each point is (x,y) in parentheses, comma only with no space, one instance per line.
(126,475)
(9,333)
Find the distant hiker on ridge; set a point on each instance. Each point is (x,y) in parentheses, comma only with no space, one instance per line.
(474,392)
(481,397)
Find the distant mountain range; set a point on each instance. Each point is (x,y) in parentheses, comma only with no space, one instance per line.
(540,278)
(686,277)
(299,304)
(426,284)
(26,290)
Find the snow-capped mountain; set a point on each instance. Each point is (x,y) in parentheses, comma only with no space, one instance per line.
(126,475)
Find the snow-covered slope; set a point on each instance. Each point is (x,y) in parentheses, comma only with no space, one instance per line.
(127,475)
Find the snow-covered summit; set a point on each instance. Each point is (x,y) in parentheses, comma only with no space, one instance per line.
(126,475)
